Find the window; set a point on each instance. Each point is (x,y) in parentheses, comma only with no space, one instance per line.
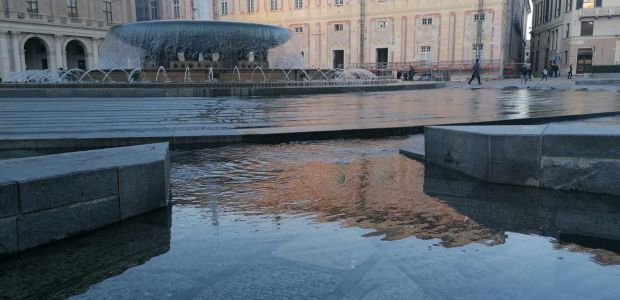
(107,11)
(567,30)
(587,28)
(154,10)
(338,27)
(427,21)
(339,2)
(569,5)
(478,47)
(479,17)
(558,8)
(425,52)
(299,4)
(176,9)
(303,54)
(72,6)
(381,24)
(32,6)
(589,3)
(274,5)
(299,29)
(224,8)
(250,6)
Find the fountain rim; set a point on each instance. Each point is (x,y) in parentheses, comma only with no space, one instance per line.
(197,22)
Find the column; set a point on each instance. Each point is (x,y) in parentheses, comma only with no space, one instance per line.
(95,50)
(17,60)
(5,63)
(59,53)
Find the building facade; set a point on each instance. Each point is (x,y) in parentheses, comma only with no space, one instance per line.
(340,33)
(581,33)
(53,34)
(147,10)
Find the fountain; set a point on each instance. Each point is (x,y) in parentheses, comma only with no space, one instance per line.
(181,42)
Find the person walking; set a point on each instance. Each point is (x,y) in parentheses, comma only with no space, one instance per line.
(545,72)
(475,72)
(524,72)
(529,73)
(556,70)
(570,72)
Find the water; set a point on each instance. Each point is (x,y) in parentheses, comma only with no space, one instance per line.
(339,219)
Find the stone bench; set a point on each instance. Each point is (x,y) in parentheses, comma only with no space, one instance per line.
(565,157)
(48,198)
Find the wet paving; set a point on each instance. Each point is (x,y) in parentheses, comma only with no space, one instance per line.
(51,118)
(339,219)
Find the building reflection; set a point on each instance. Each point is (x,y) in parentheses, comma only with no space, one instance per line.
(70,267)
(399,198)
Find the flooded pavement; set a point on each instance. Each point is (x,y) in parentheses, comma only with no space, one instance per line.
(340,219)
(98,118)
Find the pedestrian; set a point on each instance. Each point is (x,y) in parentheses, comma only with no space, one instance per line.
(545,72)
(570,72)
(399,74)
(524,72)
(475,72)
(411,73)
(529,73)
(556,70)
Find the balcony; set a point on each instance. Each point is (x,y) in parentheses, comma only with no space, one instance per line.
(599,12)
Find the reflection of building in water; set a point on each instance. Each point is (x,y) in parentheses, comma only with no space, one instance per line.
(397,198)
(70,267)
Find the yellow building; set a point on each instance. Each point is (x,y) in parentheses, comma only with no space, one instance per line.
(393,33)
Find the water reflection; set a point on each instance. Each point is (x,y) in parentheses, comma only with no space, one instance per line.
(70,267)
(365,184)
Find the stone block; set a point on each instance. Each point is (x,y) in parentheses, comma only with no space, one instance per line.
(8,235)
(143,188)
(581,174)
(586,141)
(42,227)
(9,201)
(466,152)
(515,159)
(49,192)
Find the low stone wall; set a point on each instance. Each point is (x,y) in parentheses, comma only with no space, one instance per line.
(564,157)
(47,198)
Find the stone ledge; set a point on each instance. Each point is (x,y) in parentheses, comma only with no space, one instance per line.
(565,157)
(47,198)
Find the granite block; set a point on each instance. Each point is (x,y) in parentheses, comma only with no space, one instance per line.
(44,193)
(515,159)
(8,236)
(143,188)
(462,151)
(42,227)
(581,174)
(9,201)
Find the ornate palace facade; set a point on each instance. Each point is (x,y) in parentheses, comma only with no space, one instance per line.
(336,33)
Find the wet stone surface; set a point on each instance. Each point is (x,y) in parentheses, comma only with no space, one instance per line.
(336,219)
(61,118)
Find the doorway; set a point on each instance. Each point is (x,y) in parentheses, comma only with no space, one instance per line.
(76,57)
(584,60)
(338,59)
(35,54)
(382,58)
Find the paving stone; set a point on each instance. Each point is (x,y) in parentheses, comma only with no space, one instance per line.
(8,235)
(45,226)
(45,193)
(515,159)
(9,201)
